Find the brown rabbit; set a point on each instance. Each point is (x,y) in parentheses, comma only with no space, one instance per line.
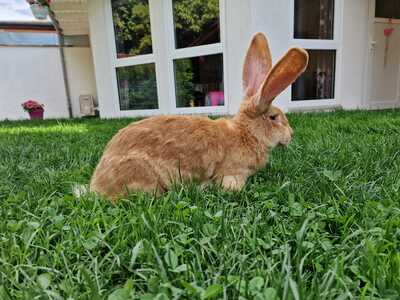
(152,154)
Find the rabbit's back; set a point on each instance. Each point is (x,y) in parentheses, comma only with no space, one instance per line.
(170,136)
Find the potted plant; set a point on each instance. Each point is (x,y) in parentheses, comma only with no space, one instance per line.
(34,108)
(39,8)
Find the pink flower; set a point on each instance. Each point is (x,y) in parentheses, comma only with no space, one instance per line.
(32,105)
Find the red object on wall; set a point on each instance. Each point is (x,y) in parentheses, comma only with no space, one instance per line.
(388,31)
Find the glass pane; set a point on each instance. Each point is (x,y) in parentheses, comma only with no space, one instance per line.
(387,9)
(137,87)
(318,81)
(196,22)
(132,27)
(313,19)
(199,81)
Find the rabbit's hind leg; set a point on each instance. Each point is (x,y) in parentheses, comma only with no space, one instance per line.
(136,174)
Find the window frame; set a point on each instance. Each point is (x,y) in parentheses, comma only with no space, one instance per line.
(163,56)
(129,61)
(321,44)
(173,54)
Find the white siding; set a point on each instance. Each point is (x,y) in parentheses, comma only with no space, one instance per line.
(355,51)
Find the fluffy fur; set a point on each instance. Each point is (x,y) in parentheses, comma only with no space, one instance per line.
(154,153)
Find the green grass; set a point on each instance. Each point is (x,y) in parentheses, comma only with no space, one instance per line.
(321,221)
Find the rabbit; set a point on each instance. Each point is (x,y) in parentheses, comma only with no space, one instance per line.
(153,154)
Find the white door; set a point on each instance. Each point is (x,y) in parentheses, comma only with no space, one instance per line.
(384,63)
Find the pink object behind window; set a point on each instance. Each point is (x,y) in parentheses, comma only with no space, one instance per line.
(217,98)
(389,30)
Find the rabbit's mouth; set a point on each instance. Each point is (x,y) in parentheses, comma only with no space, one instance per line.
(287,138)
(285,142)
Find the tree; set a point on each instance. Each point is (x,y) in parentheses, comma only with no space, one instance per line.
(137,87)
(192,19)
(195,14)
(132,27)
(184,82)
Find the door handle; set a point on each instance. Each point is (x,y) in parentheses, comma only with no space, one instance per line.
(372,45)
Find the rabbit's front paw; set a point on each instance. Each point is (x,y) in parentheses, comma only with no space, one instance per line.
(233,182)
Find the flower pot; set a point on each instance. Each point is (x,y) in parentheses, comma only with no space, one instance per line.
(36,114)
(39,11)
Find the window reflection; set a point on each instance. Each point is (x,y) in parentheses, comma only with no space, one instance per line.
(313,19)
(131,20)
(137,87)
(199,81)
(318,81)
(196,22)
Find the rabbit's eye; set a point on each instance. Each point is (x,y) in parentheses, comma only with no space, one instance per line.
(273,117)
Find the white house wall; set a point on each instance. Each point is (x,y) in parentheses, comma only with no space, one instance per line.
(273,18)
(102,59)
(243,19)
(80,70)
(35,73)
(31,73)
(237,33)
(354,54)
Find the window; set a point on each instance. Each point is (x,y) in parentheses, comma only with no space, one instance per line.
(132,27)
(387,9)
(168,54)
(137,87)
(199,81)
(315,30)
(313,19)
(135,63)
(196,23)
(198,59)
(317,82)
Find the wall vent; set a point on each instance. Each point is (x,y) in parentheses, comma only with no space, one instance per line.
(87,105)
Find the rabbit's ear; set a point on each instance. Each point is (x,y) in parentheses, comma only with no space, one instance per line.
(283,74)
(257,64)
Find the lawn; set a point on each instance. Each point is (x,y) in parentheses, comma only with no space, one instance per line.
(321,221)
